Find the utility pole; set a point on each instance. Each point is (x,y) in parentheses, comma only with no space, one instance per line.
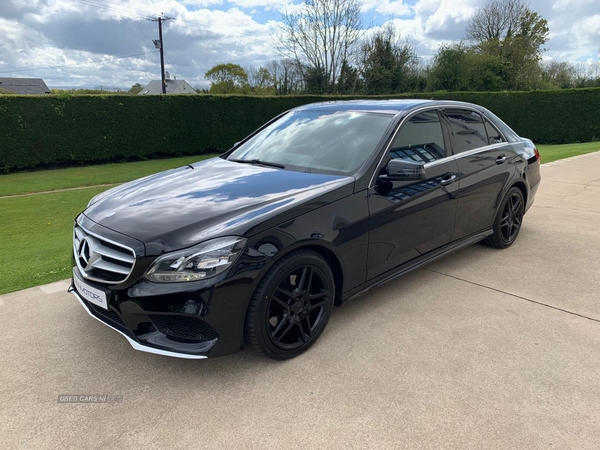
(160,45)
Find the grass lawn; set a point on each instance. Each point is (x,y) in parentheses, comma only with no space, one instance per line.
(49,180)
(36,237)
(37,230)
(553,152)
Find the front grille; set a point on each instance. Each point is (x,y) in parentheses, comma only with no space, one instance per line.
(183,327)
(100,259)
(107,315)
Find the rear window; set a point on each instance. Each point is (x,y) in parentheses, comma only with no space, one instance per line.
(494,136)
(468,129)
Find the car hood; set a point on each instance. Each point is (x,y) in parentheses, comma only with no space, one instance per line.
(181,207)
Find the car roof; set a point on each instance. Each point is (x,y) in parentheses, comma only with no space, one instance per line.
(390,106)
(403,106)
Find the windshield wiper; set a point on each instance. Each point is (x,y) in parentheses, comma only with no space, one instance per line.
(258,161)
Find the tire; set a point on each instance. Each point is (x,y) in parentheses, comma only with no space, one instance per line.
(508,220)
(291,306)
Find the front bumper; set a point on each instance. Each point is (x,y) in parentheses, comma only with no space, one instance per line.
(187,320)
(135,344)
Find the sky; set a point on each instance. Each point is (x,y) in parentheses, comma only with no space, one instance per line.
(92,43)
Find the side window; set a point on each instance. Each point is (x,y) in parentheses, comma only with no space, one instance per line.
(494,136)
(468,129)
(420,139)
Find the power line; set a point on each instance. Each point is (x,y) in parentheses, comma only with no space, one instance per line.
(137,12)
(118,8)
(140,27)
(78,64)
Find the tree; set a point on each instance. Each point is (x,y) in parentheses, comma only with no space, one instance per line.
(449,71)
(349,80)
(261,81)
(559,74)
(485,71)
(287,76)
(458,67)
(510,30)
(316,80)
(587,74)
(495,21)
(386,65)
(227,79)
(135,89)
(319,35)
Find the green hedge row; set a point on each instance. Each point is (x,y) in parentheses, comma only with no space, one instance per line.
(51,130)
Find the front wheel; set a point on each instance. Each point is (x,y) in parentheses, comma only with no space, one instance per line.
(508,221)
(291,306)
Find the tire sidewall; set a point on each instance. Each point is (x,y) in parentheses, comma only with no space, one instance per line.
(497,222)
(261,299)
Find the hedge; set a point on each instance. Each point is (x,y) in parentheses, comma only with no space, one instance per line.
(70,129)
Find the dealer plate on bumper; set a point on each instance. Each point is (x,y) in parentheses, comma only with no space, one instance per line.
(89,293)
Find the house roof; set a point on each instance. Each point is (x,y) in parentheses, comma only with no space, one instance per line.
(173,87)
(24,85)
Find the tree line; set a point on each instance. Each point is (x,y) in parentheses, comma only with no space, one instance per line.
(325,50)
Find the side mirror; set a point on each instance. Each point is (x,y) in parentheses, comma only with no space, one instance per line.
(402,170)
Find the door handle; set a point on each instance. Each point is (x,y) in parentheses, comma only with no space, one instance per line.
(500,159)
(448,179)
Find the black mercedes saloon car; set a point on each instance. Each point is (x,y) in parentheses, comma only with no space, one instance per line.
(321,204)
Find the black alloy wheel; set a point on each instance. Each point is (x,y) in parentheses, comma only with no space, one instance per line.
(291,306)
(508,221)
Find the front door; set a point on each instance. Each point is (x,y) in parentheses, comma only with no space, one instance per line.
(411,218)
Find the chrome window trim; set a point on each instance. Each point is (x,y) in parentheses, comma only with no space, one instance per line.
(437,162)
(463,154)
(99,280)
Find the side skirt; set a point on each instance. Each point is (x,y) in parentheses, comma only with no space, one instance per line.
(415,264)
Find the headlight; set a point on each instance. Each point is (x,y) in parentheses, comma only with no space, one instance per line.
(197,263)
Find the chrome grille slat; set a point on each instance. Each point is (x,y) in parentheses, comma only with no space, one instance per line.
(109,252)
(110,267)
(101,259)
(79,233)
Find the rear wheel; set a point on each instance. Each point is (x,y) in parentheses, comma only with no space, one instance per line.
(291,306)
(508,221)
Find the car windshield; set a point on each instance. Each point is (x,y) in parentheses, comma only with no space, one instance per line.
(329,141)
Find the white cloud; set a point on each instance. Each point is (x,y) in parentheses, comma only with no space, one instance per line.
(395,8)
(87,40)
(257,3)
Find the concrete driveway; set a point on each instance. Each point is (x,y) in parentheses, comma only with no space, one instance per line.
(483,349)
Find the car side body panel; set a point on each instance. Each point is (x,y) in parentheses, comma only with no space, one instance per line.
(341,227)
(410,218)
(483,180)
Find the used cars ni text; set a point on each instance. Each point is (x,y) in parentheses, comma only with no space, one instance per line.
(320,204)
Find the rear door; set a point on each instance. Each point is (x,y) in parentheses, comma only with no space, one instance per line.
(485,164)
(410,218)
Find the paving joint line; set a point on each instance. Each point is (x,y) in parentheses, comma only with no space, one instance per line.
(589,184)
(565,209)
(514,295)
